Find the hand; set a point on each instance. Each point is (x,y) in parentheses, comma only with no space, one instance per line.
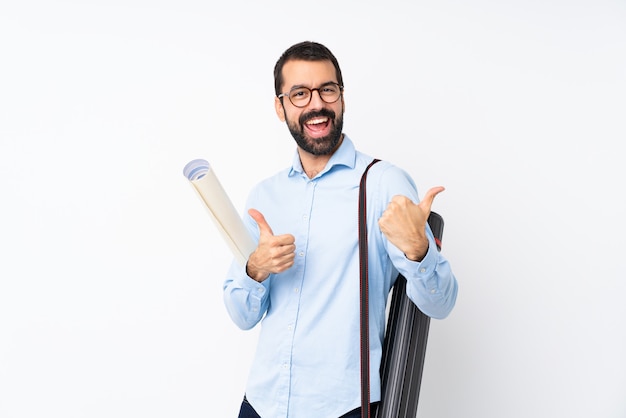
(274,254)
(404,223)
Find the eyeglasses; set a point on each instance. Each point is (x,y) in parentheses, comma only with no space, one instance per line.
(301,96)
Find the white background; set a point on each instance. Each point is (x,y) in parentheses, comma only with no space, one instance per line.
(110,267)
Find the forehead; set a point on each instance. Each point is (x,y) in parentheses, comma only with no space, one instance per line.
(308,73)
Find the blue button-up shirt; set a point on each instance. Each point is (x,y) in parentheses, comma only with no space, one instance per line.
(308,354)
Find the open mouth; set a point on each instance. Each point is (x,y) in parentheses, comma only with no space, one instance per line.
(319,124)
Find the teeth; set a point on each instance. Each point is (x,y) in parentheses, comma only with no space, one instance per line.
(316,121)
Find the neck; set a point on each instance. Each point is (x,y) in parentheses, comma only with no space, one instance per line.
(313,164)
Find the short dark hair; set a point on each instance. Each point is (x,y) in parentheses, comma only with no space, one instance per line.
(307,51)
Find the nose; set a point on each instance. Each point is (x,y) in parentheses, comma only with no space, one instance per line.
(316,99)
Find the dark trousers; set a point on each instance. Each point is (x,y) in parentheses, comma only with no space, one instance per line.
(247,411)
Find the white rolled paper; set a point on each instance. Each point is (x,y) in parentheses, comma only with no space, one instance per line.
(221,209)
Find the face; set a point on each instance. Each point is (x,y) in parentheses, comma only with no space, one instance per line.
(316,127)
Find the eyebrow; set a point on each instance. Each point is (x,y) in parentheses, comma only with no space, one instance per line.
(297,86)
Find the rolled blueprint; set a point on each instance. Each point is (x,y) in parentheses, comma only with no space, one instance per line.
(221,209)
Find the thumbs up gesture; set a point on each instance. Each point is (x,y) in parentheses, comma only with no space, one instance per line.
(404,224)
(274,254)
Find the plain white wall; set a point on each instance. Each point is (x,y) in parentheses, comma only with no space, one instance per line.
(111,270)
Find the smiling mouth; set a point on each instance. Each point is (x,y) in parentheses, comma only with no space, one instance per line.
(318,123)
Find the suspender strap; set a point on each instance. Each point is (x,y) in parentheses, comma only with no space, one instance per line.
(364,295)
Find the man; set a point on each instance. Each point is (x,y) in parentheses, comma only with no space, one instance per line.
(302,281)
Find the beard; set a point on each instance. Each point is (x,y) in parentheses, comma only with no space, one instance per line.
(318,146)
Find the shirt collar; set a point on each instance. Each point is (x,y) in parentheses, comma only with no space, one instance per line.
(345,155)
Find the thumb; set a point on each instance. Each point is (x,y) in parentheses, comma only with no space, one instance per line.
(258,217)
(427,201)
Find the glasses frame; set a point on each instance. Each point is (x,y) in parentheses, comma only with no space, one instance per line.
(288,94)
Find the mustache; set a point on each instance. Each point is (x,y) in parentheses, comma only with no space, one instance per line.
(317,113)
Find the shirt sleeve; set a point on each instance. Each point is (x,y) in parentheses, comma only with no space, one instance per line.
(246,300)
(431,284)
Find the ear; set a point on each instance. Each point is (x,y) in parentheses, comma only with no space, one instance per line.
(280,110)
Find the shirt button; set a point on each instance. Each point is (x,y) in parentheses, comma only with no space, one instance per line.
(301,253)
(422,270)
(295,290)
(433,291)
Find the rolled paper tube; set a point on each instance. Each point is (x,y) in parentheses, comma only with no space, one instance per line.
(221,208)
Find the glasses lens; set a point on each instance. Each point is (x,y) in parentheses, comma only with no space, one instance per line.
(330,92)
(300,96)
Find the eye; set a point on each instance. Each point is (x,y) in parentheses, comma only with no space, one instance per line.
(329,89)
(299,93)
